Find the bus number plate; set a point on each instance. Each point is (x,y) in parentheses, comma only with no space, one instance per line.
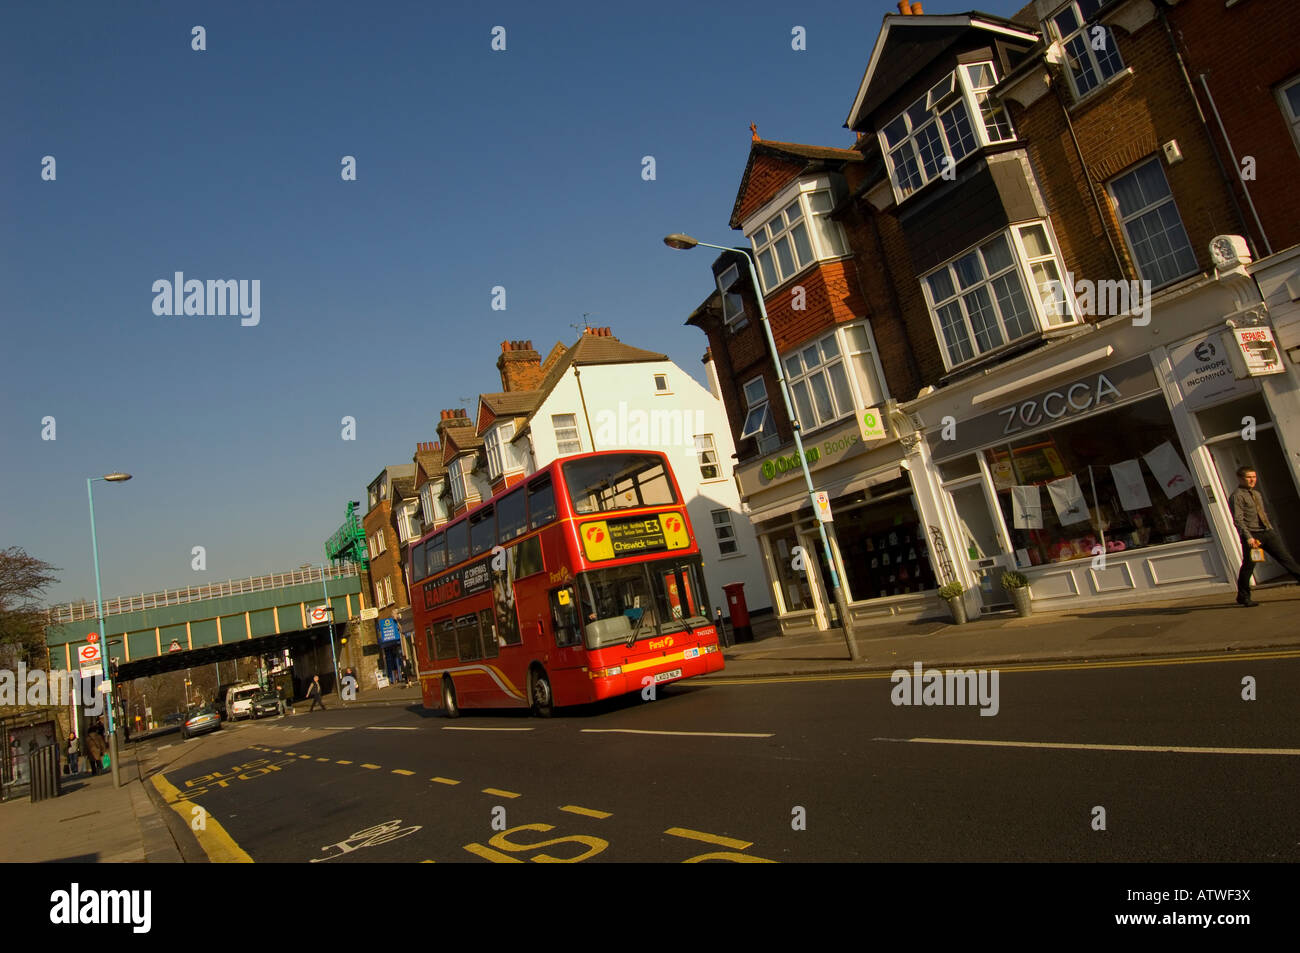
(668,676)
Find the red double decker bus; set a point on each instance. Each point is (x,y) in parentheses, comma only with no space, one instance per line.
(582,582)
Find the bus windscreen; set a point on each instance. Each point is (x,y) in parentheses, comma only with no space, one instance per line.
(618,481)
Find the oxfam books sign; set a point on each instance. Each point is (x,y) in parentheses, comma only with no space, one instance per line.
(829,449)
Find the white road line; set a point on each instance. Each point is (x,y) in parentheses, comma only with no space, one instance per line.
(1176,749)
(390,728)
(467,728)
(164,747)
(703,734)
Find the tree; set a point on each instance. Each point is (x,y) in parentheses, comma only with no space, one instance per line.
(22,619)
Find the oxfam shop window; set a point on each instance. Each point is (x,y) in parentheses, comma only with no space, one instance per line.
(882,544)
(1116,480)
(795,592)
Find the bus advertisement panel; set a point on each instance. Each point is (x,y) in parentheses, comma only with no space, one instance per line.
(580,583)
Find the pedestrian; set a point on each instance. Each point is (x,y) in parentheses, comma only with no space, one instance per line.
(313,692)
(74,754)
(1257,534)
(95,748)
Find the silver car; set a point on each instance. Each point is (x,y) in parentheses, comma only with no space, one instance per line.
(200,720)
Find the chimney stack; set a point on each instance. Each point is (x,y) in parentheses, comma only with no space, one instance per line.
(520,366)
(904,8)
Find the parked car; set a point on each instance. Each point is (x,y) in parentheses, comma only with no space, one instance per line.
(267,703)
(239,701)
(199,721)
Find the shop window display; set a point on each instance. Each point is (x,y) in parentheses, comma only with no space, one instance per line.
(1110,483)
(883,546)
(795,591)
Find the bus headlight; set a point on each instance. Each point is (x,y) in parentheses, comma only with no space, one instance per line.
(710,648)
(606,672)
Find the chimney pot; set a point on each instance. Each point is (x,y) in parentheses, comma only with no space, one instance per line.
(904,8)
(916,9)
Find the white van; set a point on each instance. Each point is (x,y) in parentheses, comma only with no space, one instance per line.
(239,700)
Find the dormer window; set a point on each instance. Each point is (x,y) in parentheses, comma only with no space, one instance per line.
(798,235)
(936,132)
(1089,46)
(501,454)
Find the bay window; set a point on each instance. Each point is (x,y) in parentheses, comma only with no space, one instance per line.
(980,301)
(951,120)
(825,386)
(798,235)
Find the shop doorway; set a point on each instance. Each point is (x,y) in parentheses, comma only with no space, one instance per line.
(1265,456)
(979,541)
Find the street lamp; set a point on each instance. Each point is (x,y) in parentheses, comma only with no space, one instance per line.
(99,610)
(329,609)
(685,242)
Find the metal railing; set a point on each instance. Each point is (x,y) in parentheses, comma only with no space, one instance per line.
(80,611)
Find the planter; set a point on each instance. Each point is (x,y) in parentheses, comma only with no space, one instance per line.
(1020,598)
(957,606)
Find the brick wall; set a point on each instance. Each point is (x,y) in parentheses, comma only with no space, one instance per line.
(768,175)
(1245,52)
(520,366)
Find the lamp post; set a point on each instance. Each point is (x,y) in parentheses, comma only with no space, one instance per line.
(99,611)
(329,609)
(684,242)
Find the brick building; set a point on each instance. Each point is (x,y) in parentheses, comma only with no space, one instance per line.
(385,579)
(1040,244)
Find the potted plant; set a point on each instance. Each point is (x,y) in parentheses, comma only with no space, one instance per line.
(1017,586)
(951,593)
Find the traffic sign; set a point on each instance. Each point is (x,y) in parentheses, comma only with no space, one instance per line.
(175,646)
(92,636)
(319,614)
(88,655)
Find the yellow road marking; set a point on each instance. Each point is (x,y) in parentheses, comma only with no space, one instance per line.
(710,838)
(1176,749)
(292,754)
(322,759)
(444,781)
(277,751)
(1018,667)
(586,811)
(402,771)
(305,756)
(342,762)
(213,838)
(487,853)
(372,767)
(428,861)
(499,793)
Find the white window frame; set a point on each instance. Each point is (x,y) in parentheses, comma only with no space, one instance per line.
(456,480)
(498,448)
(562,442)
(722,539)
(1081,38)
(1291,115)
(1146,210)
(901,137)
(776,228)
(706,454)
(801,373)
(759,420)
(381,544)
(388,590)
(1050,308)
(428,510)
(733,304)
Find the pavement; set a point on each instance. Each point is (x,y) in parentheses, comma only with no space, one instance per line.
(92,821)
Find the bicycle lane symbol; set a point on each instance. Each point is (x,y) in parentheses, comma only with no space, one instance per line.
(370,837)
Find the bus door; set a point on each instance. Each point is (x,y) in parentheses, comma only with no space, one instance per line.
(569,656)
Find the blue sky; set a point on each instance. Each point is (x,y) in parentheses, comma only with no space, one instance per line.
(475,169)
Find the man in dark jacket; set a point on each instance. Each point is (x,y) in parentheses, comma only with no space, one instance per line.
(1256,532)
(314,693)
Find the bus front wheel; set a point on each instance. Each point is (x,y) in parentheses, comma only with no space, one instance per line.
(449,706)
(542,696)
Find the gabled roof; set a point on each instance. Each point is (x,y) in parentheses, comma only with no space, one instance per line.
(596,346)
(810,158)
(519,403)
(907,44)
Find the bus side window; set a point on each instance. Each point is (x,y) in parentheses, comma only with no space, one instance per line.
(467,637)
(564,616)
(488,626)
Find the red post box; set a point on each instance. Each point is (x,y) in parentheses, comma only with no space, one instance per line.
(738,611)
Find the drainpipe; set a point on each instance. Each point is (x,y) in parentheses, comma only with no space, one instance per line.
(1214,149)
(577,376)
(1092,188)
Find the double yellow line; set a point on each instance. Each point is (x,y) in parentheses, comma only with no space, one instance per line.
(212,837)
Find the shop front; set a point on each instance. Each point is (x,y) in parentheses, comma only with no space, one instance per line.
(1085,487)
(880,533)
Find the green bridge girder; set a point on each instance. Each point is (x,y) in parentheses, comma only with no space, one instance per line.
(201,623)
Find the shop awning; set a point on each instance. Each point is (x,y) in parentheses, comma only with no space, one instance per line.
(800,501)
